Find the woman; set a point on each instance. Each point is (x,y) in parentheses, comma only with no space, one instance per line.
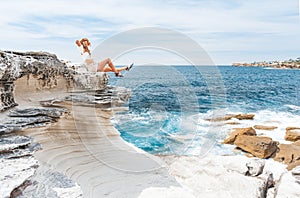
(103,66)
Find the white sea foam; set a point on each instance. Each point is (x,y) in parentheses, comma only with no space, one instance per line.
(293,107)
(215,132)
(195,134)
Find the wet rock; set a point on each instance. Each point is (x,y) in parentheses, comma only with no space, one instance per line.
(292,134)
(237,132)
(262,127)
(262,147)
(288,154)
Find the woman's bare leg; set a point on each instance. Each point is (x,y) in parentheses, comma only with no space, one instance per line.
(102,64)
(108,69)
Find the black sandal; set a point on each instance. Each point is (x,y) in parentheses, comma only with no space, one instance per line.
(129,67)
(119,75)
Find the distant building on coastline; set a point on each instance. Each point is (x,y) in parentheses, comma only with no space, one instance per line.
(294,64)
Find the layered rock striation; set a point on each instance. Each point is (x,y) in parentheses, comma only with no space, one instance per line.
(60,140)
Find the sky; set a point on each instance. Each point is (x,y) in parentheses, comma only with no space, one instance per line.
(228,30)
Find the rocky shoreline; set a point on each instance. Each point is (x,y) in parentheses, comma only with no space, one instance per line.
(36,89)
(264,147)
(56,140)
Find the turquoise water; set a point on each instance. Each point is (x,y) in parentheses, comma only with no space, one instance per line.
(169,106)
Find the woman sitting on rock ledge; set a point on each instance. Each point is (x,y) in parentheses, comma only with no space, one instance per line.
(105,65)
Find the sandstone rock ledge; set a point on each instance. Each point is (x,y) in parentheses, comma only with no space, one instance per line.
(61,134)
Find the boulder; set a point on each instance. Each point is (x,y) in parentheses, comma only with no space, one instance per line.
(259,146)
(292,134)
(289,154)
(244,116)
(237,132)
(262,127)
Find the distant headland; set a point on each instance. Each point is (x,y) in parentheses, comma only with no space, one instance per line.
(293,64)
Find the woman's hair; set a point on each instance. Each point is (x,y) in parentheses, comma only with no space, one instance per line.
(85,39)
(85,48)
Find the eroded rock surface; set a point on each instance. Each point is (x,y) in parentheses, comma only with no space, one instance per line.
(42,65)
(292,134)
(262,147)
(239,131)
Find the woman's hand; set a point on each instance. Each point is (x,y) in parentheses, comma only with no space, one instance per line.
(78,43)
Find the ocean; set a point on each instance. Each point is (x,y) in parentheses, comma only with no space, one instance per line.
(170,106)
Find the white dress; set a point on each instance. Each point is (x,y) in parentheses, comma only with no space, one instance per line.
(91,67)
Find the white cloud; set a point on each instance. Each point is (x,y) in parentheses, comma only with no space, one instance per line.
(259,27)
